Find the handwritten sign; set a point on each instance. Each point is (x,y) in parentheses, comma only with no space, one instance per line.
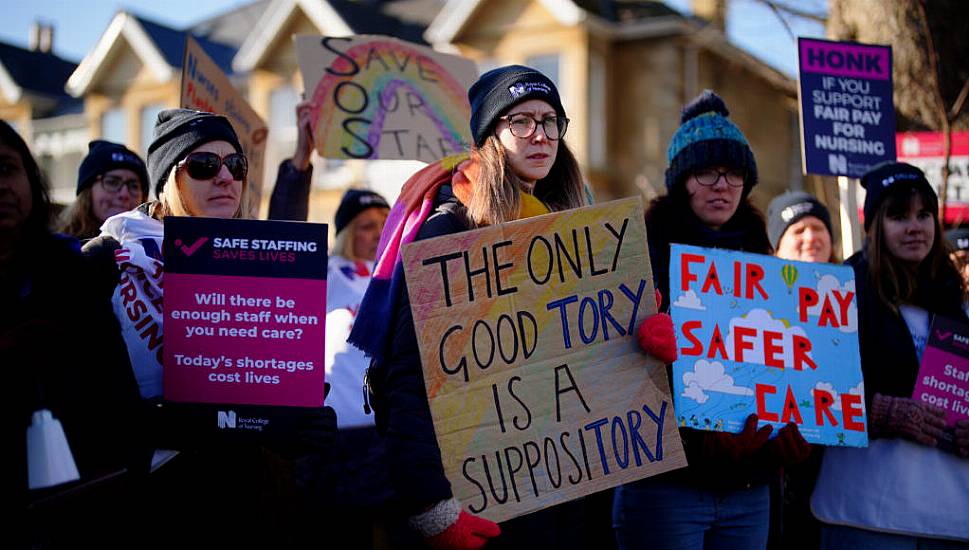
(758,334)
(244,311)
(944,374)
(847,114)
(538,390)
(378,97)
(206,88)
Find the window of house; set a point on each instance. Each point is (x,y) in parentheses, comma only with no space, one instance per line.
(114,125)
(149,114)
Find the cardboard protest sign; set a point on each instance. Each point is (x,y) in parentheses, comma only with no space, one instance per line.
(758,334)
(847,114)
(244,311)
(538,389)
(944,373)
(378,97)
(926,150)
(206,88)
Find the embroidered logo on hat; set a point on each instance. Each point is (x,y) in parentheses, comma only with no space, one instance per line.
(119,156)
(370,199)
(522,88)
(963,243)
(795,209)
(898,177)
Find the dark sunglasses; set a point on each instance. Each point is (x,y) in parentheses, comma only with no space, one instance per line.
(205,166)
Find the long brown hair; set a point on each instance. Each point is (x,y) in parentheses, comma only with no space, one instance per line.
(79,220)
(495,196)
(894,281)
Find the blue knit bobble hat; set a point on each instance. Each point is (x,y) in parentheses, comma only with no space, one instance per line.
(705,138)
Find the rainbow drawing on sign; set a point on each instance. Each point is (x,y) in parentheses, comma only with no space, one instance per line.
(369,81)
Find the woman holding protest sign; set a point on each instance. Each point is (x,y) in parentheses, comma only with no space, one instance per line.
(198,168)
(111,179)
(722,499)
(910,487)
(59,484)
(519,167)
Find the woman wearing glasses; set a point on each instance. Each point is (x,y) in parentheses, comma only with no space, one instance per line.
(519,166)
(112,179)
(721,500)
(197,166)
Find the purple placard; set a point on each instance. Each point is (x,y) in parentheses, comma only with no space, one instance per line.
(944,373)
(847,114)
(845,59)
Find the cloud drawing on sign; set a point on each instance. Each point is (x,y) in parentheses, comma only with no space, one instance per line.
(689,300)
(827,284)
(709,376)
(762,320)
(829,387)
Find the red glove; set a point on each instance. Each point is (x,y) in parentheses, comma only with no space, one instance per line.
(447,527)
(789,447)
(655,334)
(737,447)
(962,438)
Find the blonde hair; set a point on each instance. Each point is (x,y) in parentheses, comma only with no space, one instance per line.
(170,202)
(343,242)
(79,220)
(495,197)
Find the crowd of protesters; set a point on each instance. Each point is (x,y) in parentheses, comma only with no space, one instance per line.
(375,479)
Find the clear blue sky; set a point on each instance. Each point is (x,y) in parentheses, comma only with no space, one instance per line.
(79,23)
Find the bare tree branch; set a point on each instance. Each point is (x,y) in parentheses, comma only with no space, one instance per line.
(796,12)
(777,13)
(946,123)
(960,101)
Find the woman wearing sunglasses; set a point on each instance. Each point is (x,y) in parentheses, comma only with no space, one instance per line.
(112,179)
(721,500)
(196,164)
(519,166)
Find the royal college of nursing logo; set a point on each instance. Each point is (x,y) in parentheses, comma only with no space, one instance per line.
(227,420)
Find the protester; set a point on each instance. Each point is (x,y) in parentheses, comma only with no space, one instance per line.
(112,179)
(721,500)
(48,324)
(290,198)
(799,227)
(198,168)
(959,241)
(903,490)
(518,167)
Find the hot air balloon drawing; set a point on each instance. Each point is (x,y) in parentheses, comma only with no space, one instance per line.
(789,274)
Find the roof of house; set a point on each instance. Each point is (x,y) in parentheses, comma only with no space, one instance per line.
(36,72)
(171,43)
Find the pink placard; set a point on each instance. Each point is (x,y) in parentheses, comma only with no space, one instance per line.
(944,373)
(244,340)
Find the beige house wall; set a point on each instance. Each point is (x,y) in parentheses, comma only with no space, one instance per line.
(20,113)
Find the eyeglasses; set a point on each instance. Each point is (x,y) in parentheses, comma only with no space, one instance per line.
(205,165)
(114,184)
(523,126)
(710,176)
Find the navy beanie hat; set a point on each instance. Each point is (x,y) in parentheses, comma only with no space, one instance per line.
(104,156)
(885,177)
(787,209)
(499,89)
(177,132)
(354,202)
(708,138)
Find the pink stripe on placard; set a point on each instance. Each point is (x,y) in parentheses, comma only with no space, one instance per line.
(845,59)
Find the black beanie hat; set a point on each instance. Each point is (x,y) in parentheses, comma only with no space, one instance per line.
(354,202)
(786,209)
(958,238)
(104,156)
(886,176)
(708,138)
(499,89)
(177,132)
